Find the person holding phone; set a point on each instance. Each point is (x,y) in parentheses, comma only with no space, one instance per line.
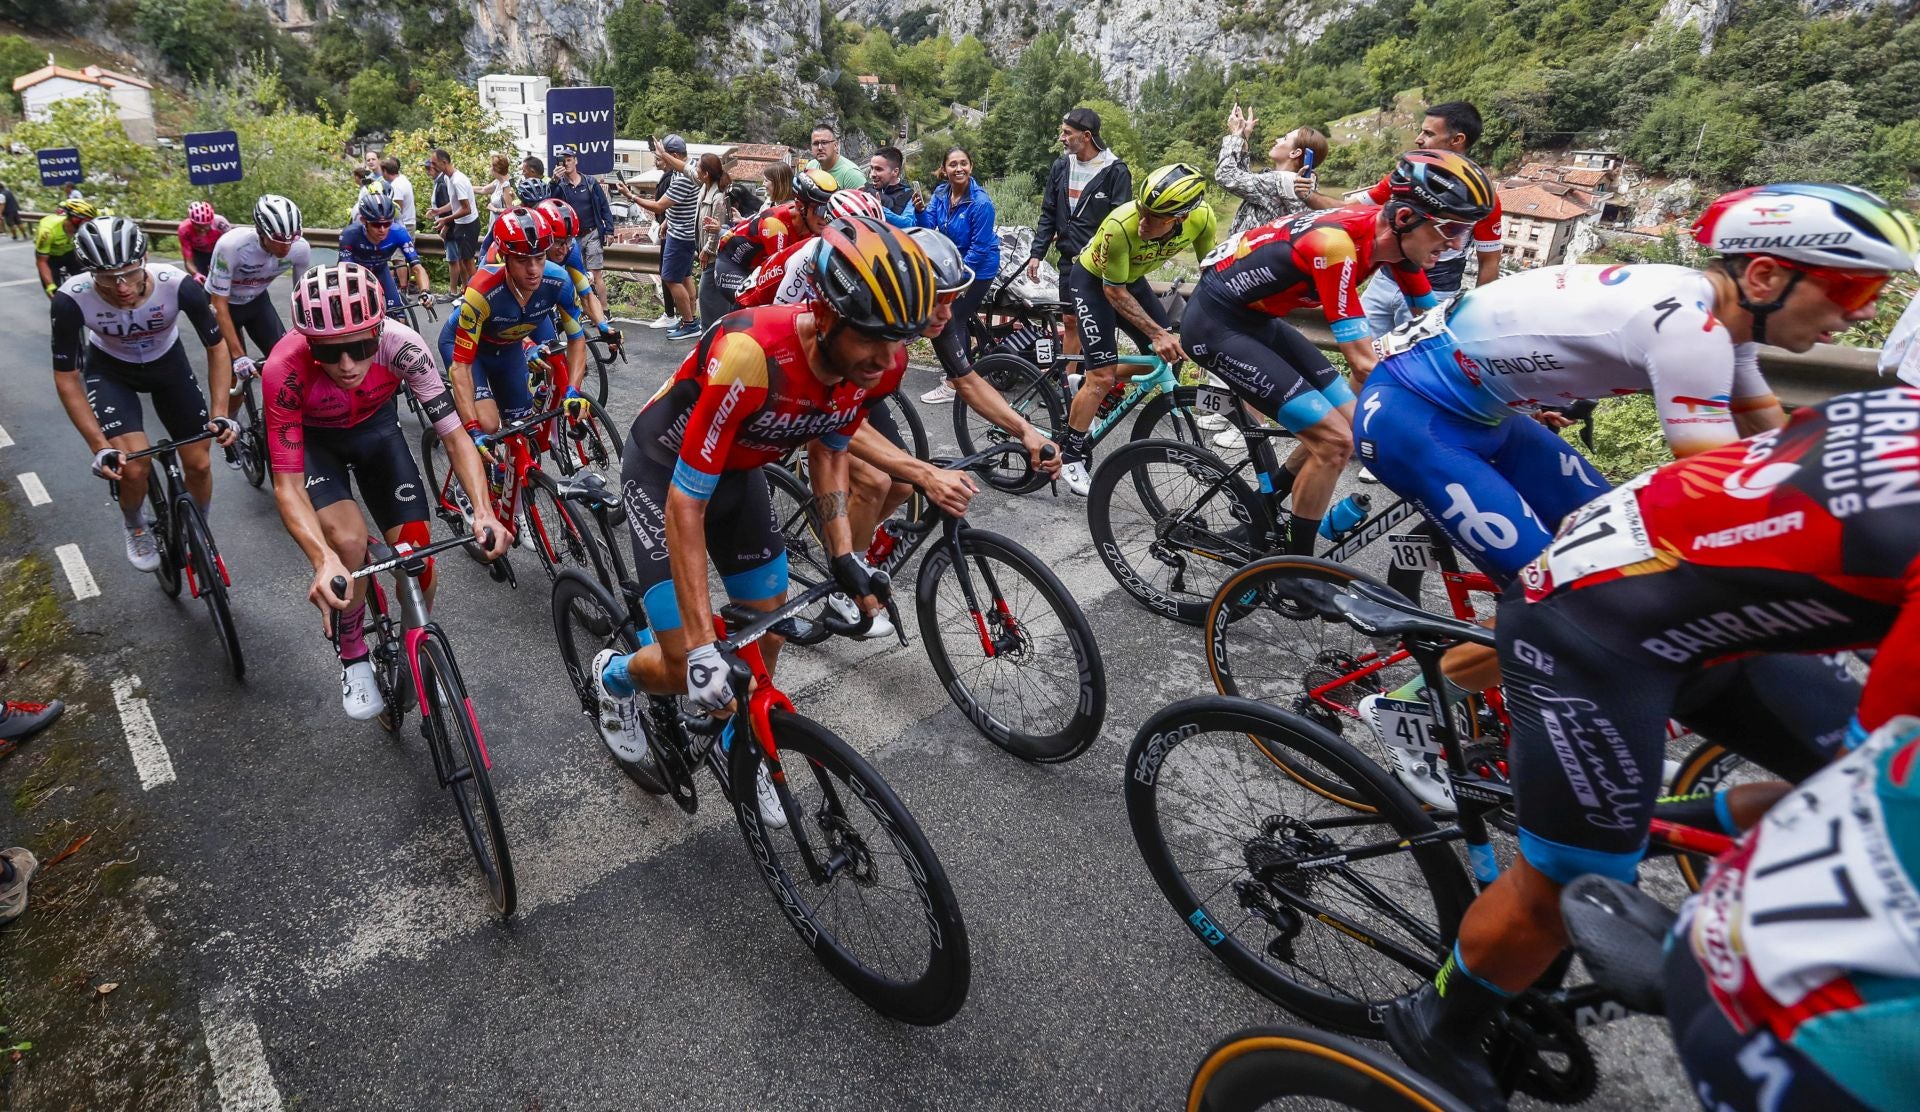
(1286,189)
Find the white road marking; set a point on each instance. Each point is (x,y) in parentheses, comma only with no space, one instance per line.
(36,490)
(20,282)
(240,1071)
(150,757)
(5,440)
(79,576)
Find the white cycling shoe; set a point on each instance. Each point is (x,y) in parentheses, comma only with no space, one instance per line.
(772,815)
(1212,422)
(618,720)
(846,610)
(359,694)
(1076,477)
(142,550)
(1230,438)
(1421,772)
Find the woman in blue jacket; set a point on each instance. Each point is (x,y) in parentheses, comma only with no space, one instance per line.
(964,214)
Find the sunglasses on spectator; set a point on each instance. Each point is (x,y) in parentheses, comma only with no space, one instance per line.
(324,351)
(1851,290)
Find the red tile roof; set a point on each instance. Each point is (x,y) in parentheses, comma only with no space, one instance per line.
(1540,203)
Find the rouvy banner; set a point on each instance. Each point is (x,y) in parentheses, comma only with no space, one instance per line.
(59,166)
(213,157)
(582,119)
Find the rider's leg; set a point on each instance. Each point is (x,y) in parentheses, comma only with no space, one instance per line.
(198,471)
(867,502)
(1329,444)
(345,533)
(181,407)
(134,476)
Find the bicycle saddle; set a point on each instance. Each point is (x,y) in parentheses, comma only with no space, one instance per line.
(589,488)
(1380,612)
(1621,933)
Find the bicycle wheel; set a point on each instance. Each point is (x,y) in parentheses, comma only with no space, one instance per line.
(1710,767)
(1031,394)
(1173,415)
(252,447)
(881,890)
(555,528)
(390,672)
(464,766)
(807,562)
(1171,548)
(596,381)
(166,540)
(1256,867)
(1293,1067)
(585,621)
(197,543)
(1023,666)
(593,442)
(912,429)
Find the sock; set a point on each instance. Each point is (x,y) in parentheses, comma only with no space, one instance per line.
(1410,689)
(1283,481)
(1301,534)
(205,508)
(1466,1001)
(134,515)
(1708,811)
(6,870)
(350,628)
(1074,446)
(615,679)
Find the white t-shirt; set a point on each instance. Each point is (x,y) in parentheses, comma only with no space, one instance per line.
(459,188)
(1080,173)
(403,200)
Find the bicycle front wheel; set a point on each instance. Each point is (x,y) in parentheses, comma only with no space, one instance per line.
(1031,394)
(465,768)
(874,905)
(1291,1067)
(198,548)
(1019,659)
(1327,911)
(592,443)
(555,528)
(166,538)
(252,448)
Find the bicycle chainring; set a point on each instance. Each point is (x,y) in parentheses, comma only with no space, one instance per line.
(1553,1060)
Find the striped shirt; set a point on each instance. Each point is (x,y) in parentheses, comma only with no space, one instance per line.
(683,218)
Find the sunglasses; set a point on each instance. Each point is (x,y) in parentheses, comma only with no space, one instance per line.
(372,224)
(122,279)
(360,350)
(1851,290)
(1455,230)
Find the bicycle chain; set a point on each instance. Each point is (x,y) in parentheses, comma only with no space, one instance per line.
(1533,1027)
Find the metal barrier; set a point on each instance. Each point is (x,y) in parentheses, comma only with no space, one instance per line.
(1802,379)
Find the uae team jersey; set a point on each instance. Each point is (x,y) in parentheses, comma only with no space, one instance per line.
(141,334)
(746,396)
(1553,337)
(242,269)
(1317,260)
(300,395)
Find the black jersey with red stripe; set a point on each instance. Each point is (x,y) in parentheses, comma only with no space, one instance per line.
(746,396)
(1803,539)
(1316,259)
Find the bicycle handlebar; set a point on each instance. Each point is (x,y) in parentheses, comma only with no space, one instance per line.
(755,624)
(166,446)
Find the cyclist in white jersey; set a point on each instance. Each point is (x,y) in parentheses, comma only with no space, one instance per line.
(1436,421)
(116,335)
(246,260)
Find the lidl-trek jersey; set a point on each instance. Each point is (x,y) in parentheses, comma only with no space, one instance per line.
(574,264)
(300,395)
(1117,254)
(1317,259)
(491,314)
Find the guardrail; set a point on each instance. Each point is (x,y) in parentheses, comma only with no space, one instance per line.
(1801,379)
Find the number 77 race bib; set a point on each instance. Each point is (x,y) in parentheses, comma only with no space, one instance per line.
(1604,534)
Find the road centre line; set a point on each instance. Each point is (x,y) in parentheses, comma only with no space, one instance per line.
(79,576)
(150,757)
(5,440)
(240,1070)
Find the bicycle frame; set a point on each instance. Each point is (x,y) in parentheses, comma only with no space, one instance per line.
(168,452)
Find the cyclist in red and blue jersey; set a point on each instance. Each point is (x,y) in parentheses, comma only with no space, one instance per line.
(764,234)
(518,300)
(761,383)
(371,241)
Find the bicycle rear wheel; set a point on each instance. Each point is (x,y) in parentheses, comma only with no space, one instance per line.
(204,559)
(1292,1067)
(1030,393)
(555,528)
(594,442)
(1710,767)
(807,562)
(1174,415)
(585,621)
(1023,665)
(461,758)
(884,890)
(1257,866)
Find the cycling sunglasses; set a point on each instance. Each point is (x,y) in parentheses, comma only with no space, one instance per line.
(128,278)
(324,351)
(1455,230)
(1851,290)
(372,224)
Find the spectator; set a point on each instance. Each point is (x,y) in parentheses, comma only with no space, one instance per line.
(679,207)
(1282,191)
(360,180)
(458,220)
(10,212)
(74,194)
(717,212)
(963,213)
(779,179)
(826,156)
(883,181)
(499,191)
(1085,184)
(371,161)
(589,200)
(402,190)
(18,722)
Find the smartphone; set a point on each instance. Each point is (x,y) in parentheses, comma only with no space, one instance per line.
(1306,159)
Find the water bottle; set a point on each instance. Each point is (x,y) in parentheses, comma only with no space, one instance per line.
(885,539)
(1344,518)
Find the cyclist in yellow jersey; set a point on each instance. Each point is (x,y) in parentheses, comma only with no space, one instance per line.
(1167,217)
(53,251)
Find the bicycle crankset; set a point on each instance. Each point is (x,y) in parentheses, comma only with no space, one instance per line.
(1539,1047)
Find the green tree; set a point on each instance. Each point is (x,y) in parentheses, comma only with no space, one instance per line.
(455,121)
(968,71)
(373,96)
(1050,78)
(1392,65)
(298,155)
(18,56)
(641,38)
(117,168)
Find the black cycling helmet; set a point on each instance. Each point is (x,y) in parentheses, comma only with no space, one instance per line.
(814,187)
(874,278)
(110,243)
(377,208)
(1440,185)
(532,191)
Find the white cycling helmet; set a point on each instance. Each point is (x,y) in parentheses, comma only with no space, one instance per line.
(277,218)
(1813,223)
(855,202)
(951,274)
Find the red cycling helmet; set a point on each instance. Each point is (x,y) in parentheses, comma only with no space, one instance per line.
(200,212)
(337,300)
(523,231)
(565,221)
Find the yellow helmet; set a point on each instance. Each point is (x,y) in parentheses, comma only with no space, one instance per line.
(874,277)
(80,210)
(1171,190)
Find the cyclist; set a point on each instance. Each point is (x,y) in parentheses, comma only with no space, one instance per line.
(1803,539)
(786,278)
(53,253)
(1235,328)
(372,239)
(330,391)
(530,191)
(762,235)
(197,234)
(245,263)
(128,311)
(759,384)
(566,252)
(1168,215)
(502,306)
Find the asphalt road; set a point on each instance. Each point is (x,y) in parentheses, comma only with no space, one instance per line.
(324,906)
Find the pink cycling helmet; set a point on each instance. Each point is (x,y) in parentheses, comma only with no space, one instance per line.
(200,212)
(855,202)
(337,300)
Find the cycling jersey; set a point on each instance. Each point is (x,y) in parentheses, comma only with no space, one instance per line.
(357,246)
(142,334)
(198,239)
(746,396)
(300,396)
(1315,259)
(767,232)
(574,264)
(492,314)
(783,279)
(1451,264)
(51,236)
(1118,255)
(242,269)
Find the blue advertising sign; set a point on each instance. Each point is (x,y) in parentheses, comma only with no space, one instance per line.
(59,166)
(582,119)
(213,157)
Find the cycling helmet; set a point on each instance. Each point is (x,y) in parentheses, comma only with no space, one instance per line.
(110,243)
(277,218)
(1173,190)
(377,208)
(532,191)
(337,300)
(855,202)
(814,187)
(80,210)
(200,212)
(1440,185)
(875,278)
(559,214)
(523,231)
(1813,223)
(951,274)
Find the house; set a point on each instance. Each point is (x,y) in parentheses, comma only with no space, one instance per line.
(131,97)
(972,117)
(1540,218)
(519,103)
(749,161)
(873,86)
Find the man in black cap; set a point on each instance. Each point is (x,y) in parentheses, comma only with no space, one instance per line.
(1085,184)
(589,201)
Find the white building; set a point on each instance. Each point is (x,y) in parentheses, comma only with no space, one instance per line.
(132,98)
(519,102)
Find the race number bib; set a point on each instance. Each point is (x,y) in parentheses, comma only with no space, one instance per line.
(1424,327)
(1605,534)
(1411,552)
(1208,399)
(1043,351)
(1407,724)
(1224,251)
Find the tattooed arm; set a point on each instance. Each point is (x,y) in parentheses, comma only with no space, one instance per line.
(827,467)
